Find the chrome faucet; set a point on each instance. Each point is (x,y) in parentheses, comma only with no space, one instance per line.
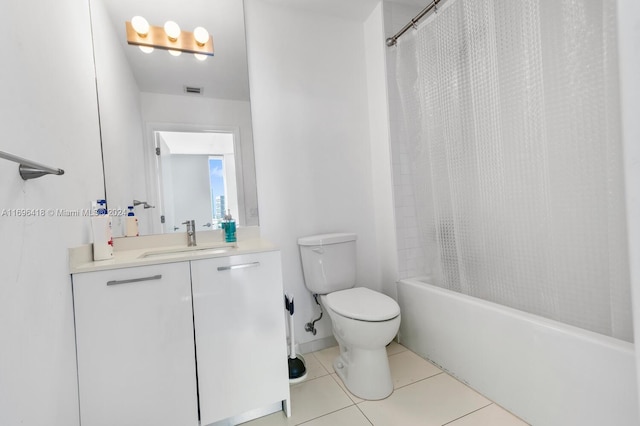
(143,203)
(191,232)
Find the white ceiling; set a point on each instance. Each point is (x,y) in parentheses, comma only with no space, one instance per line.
(222,76)
(423,3)
(357,10)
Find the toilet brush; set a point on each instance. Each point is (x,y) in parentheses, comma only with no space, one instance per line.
(297,369)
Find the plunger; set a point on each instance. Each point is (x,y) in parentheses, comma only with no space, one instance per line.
(297,369)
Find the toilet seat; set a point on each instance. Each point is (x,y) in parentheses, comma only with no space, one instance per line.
(362,304)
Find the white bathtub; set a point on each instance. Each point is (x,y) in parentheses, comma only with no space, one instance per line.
(545,372)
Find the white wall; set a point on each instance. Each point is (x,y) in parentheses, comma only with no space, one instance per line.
(193,110)
(48,113)
(375,51)
(191,189)
(308,82)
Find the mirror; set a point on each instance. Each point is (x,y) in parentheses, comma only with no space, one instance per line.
(176,131)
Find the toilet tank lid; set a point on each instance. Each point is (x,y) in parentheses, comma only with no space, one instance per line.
(324,239)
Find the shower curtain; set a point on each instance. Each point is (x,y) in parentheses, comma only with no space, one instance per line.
(511,140)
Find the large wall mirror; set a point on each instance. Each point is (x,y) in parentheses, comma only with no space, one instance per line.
(176,130)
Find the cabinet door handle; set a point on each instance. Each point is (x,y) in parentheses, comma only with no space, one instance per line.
(134,280)
(240,266)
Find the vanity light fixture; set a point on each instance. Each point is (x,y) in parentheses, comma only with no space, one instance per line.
(201,35)
(140,26)
(172,30)
(169,37)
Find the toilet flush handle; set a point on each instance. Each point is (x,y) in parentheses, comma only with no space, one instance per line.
(318,250)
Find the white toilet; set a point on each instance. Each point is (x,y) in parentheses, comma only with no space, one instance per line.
(364,321)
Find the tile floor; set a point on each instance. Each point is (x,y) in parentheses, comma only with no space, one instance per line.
(423,395)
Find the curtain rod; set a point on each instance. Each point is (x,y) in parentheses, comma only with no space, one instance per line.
(30,169)
(391,41)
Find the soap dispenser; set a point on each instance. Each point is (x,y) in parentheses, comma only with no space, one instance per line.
(101,229)
(131,224)
(229,227)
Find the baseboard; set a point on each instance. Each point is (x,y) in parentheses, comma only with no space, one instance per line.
(317,345)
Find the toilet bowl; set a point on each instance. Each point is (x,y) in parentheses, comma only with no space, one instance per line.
(362,336)
(364,321)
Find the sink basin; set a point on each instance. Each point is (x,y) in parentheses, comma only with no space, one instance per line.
(188,251)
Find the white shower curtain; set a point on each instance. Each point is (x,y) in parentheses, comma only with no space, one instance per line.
(511,126)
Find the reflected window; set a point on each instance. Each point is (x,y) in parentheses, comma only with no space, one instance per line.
(218,193)
(197,174)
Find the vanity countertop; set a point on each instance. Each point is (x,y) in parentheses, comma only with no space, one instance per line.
(168,248)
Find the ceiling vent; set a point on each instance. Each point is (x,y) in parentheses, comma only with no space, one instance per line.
(193,90)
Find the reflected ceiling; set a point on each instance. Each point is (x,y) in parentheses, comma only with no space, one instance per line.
(223,76)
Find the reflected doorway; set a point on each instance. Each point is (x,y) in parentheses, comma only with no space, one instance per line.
(197,178)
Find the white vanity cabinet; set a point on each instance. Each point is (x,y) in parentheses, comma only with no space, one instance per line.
(135,346)
(240,334)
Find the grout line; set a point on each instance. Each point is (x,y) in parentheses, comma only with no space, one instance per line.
(365,416)
(470,412)
(404,386)
(357,404)
(308,381)
(420,380)
(484,396)
(317,361)
(326,414)
(320,362)
(295,385)
(352,403)
(396,354)
(337,379)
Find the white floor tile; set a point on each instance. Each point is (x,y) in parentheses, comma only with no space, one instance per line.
(275,419)
(339,381)
(309,400)
(492,415)
(407,367)
(314,368)
(395,348)
(317,397)
(327,356)
(433,401)
(423,395)
(349,416)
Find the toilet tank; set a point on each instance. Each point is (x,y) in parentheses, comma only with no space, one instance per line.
(328,262)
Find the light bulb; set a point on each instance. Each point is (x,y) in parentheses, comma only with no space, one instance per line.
(140,26)
(172,29)
(201,35)
(146,49)
(175,52)
(200,56)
